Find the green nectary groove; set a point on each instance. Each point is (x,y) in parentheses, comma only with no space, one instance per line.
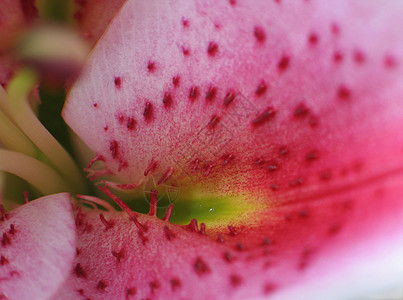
(208,209)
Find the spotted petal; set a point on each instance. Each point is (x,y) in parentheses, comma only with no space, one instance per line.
(288,111)
(37,248)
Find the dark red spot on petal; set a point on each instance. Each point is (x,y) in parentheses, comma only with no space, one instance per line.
(335,28)
(337,56)
(272,166)
(303,214)
(284,63)
(261,88)
(168,233)
(148,111)
(176,80)
(79,271)
(390,61)
(167,100)
(343,92)
(185,50)
(325,175)
(3,260)
(193,93)
(313,121)
(200,267)
(283,151)
(6,240)
(239,246)
(359,57)
(301,110)
(268,288)
(121,118)
(235,280)
(312,155)
(229,98)
(175,283)
(101,285)
(212,48)
(154,285)
(130,292)
(12,230)
(211,93)
(151,66)
(334,229)
(259,34)
(228,257)
(131,123)
(313,39)
(114,148)
(296,182)
(266,242)
(185,22)
(118,82)
(213,122)
(267,115)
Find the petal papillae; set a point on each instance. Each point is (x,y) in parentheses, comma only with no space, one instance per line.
(292,108)
(38,244)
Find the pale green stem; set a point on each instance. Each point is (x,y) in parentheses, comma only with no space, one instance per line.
(12,137)
(32,127)
(38,174)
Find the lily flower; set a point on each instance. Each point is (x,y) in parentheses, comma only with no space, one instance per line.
(273,127)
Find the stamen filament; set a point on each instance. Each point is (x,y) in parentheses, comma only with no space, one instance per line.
(35,172)
(96,200)
(28,122)
(12,137)
(4,106)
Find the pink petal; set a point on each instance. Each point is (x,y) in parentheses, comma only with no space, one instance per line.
(94,16)
(14,16)
(37,248)
(296,256)
(332,123)
(291,106)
